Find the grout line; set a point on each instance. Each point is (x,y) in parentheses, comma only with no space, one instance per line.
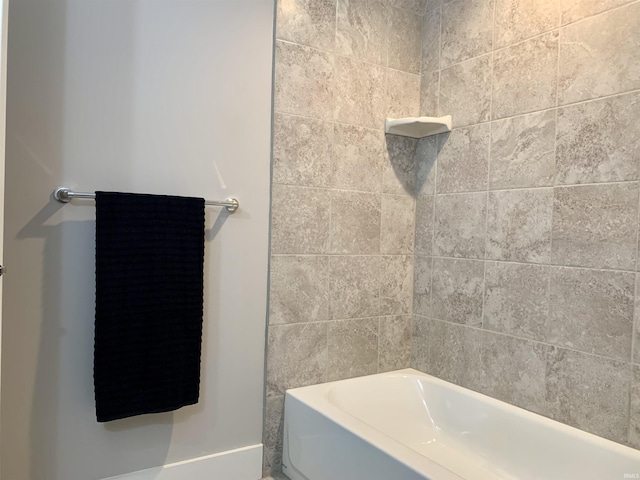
(389,15)
(462,325)
(558,69)
(437,112)
(333,138)
(343,255)
(629,404)
(336,320)
(544,187)
(435,191)
(553,203)
(486,236)
(441,16)
(548,313)
(612,9)
(637,235)
(634,328)
(325,120)
(470,192)
(433,222)
(493,51)
(343,190)
(463,259)
(566,105)
(347,57)
(380,275)
(431,275)
(554,191)
(378,346)
(486,213)
(521,114)
(538,35)
(550,265)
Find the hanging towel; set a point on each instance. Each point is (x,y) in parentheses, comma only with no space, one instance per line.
(149,287)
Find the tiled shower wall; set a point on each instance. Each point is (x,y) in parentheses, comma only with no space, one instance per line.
(343,207)
(526,247)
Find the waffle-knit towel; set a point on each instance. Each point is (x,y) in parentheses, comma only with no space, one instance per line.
(149,297)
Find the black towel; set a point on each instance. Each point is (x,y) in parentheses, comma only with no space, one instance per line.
(149,287)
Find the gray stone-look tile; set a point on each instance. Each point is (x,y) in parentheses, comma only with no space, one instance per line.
(396,285)
(592,311)
(595,226)
(420,343)
(422,285)
(516,299)
(460,225)
(575,10)
(455,353)
(589,392)
(426,160)
(467,30)
(519,225)
(457,291)
(354,287)
(523,151)
(299,220)
(299,289)
(353,348)
(301,151)
(273,435)
(431,41)
(304,81)
(394,343)
(634,410)
(600,55)
(405,48)
(636,330)
(519,20)
(429,91)
(599,141)
(308,22)
(413,6)
(432,5)
(355,223)
(465,91)
(274,476)
(463,161)
(357,158)
(514,371)
(362,30)
(399,165)
(360,93)
(424,225)
(297,356)
(403,94)
(397,224)
(525,76)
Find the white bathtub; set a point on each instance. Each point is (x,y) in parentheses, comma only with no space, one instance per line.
(406,425)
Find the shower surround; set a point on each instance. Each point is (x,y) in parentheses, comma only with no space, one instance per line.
(527,230)
(342,197)
(512,240)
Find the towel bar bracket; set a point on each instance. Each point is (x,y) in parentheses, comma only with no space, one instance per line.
(65,195)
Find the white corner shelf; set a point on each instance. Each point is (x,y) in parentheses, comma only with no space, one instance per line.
(417,127)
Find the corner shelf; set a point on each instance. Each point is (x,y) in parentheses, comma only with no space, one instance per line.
(417,127)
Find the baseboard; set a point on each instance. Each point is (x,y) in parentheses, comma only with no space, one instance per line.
(239,464)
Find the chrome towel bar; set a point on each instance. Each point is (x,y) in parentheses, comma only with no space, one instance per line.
(65,195)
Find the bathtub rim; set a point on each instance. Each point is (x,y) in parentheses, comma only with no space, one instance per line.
(316,397)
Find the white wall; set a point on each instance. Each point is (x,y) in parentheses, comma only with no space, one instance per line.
(133,95)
